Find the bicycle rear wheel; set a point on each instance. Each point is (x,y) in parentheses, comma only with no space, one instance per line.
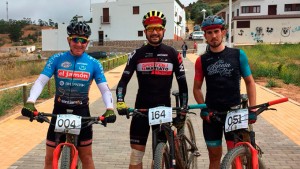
(161,156)
(188,145)
(245,155)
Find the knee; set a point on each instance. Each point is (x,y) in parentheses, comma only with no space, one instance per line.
(136,157)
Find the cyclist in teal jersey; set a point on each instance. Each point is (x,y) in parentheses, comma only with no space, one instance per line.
(222,67)
(74,72)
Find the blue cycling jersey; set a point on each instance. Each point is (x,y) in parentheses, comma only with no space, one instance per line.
(73,77)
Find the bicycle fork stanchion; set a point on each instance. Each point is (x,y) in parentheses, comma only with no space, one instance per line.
(254,154)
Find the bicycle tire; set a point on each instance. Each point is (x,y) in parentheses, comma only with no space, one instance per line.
(240,151)
(187,157)
(161,156)
(65,159)
(190,134)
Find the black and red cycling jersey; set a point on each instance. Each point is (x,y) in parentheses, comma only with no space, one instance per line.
(154,66)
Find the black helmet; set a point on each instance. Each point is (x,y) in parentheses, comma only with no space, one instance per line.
(79,28)
(154,18)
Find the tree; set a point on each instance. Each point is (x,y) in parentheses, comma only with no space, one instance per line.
(15,31)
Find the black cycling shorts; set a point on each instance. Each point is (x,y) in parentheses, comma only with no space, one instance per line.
(213,132)
(139,130)
(85,135)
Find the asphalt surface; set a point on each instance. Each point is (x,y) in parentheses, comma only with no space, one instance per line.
(277,132)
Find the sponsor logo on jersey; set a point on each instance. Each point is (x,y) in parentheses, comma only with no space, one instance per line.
(66,64)
(162,54)
(82,67)
(61,83)
(78,75)
(157,68)
(148,55)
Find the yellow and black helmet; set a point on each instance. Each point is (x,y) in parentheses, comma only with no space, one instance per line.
(155,18)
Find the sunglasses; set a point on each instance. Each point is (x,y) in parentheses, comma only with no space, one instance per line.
(157,29)
(82,40)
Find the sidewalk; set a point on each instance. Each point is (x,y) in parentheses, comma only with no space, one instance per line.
(23,145)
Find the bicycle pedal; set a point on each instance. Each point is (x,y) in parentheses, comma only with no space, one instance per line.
(196,153)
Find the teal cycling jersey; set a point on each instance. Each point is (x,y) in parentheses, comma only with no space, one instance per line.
(73,76)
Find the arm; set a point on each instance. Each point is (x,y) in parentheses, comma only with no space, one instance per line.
(106,95)
(37,88)
(248,78)
(251,90)
(198,81)
(126,76)
(181,80)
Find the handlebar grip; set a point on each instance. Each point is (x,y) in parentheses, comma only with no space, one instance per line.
(27,113)
(197,106)
(101,118)
(278,101)
(130,109)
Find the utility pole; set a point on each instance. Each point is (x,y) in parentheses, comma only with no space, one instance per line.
(7,11)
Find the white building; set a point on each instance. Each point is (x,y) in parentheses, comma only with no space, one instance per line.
(121,20)
(264,21)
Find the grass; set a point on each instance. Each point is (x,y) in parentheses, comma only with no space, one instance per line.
(275,61)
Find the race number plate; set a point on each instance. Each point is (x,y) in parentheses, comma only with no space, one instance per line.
(236,119)
(68,123)
(158,115)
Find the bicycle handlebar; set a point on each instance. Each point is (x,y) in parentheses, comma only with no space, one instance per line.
(43,116)
(270,103)
(192,106)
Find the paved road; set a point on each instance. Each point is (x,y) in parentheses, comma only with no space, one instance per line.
(281,144)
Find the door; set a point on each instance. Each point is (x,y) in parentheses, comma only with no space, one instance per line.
(101,38)
(105,15)
(272,10)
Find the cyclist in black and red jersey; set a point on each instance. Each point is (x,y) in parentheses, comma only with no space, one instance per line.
(222,67)
(74,72)
(155,64)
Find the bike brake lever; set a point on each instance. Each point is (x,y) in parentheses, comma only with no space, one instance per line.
(191,113)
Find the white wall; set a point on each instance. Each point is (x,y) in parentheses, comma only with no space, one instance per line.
(269,31)
(55,39)
(125,26)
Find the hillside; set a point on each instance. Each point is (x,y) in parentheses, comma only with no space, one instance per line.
(32,35)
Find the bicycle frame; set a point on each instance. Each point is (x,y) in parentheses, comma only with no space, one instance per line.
(250,144)
(71,139)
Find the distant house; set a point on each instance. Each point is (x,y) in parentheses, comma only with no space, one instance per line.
(264,21)
(121,20)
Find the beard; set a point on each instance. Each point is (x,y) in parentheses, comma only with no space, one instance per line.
(215,43)
(155,41)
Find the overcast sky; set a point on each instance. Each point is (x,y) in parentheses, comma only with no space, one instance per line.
(57,10)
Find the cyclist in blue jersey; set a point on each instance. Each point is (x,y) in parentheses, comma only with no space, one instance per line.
(222,67)
(74,72)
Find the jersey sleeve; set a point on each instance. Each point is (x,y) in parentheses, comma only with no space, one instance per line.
(181,79)
(50,66)
(99,72)
(245,68)
(198,69)
(126,76)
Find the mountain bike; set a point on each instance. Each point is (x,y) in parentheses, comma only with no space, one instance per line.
(69,124)
(179,150)
(246,154)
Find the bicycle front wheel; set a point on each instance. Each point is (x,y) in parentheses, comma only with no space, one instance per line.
(65,159)
(188,147)
(244,154)
(161,156)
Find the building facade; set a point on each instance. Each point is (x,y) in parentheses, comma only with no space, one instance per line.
(121,20)
(264,21)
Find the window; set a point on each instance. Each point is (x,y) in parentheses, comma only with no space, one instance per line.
(140,33)
(136,10)
(243,24)
(250,9)
(291,7)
